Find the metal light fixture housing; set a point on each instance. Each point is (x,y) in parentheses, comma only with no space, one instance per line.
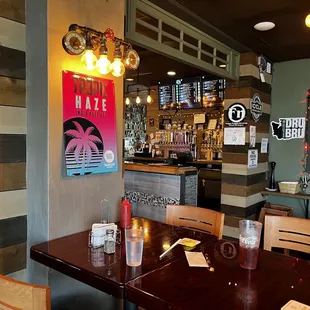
(80,39)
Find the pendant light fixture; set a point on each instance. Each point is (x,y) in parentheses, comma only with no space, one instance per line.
(103,63)
(138,99)
(149,98)
(117,67)
(127,101)
(88,58)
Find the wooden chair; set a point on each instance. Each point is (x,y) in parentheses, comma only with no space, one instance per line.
(18,295)
(197,218)
(287,232)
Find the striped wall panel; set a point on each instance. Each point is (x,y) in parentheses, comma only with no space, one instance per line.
(241,186)
(13,127)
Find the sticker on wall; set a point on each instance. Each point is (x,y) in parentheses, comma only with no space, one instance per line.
(252,158)
(236,113)
(289,128)
(252,136)
(89,124)
(256,107)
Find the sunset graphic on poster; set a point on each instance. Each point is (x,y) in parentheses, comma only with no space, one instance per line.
(89,124)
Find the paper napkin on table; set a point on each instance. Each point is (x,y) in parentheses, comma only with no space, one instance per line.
(100,229)
(295,305)
(196,259)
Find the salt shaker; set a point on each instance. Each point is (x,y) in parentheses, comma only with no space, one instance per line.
(109,242)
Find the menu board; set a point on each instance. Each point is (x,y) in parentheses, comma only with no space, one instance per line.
(189,93)
(167,94)
(213,88)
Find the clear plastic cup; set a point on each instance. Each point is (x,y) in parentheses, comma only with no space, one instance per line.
(249,240)
(134,245)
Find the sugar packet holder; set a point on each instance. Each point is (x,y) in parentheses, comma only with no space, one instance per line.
(98,233)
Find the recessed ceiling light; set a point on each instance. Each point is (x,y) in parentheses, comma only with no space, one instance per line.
(171,73)
(264,26)
(130,79)
(222,66)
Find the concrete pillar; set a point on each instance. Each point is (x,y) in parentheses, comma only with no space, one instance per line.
(241,186)
(58,205)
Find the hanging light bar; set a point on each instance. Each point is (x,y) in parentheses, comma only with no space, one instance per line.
(83,40)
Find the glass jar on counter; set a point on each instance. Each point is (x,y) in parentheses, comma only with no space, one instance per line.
(109,242)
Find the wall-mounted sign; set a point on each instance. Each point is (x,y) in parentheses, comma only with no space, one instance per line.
(264,146)
(252,158)
(199,118)
(234,136)
(236,113)
(256,107)
(89,124)
(252,136)
(289,128)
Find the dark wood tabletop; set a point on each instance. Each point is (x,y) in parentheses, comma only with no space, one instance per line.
(277,280)
(109,273)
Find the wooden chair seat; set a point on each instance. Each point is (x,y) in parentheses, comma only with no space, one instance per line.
(197,218)
(16,295)
(287,232)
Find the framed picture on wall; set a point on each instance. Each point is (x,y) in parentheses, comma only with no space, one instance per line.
(151,122)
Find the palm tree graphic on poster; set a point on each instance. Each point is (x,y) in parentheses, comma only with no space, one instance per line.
(83,145)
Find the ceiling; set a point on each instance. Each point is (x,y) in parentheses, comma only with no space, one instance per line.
(154,67)
(289,40)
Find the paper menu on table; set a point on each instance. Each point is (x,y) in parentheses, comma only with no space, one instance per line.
(295,305)
(196,259)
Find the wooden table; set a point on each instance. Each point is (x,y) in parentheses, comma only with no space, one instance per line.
(109,273)
(277,280)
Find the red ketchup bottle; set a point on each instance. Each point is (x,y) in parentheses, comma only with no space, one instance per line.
(125,213)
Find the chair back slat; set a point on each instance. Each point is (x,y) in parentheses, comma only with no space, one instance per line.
(4,306)
(197,218)
(287,232)
(24,296)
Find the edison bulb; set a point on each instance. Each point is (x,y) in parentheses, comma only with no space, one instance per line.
(127,101)
(149,99)
(89,59)
(138,100)
(307,21)
(117,67)
(104,64)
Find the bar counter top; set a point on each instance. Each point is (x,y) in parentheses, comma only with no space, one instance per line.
(159,168)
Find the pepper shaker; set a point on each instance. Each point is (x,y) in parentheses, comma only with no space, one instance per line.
(109,242)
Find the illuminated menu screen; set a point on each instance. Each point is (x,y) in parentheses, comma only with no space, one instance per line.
(188,93)
(167,94)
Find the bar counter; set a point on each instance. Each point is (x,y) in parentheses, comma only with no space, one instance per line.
(151,187)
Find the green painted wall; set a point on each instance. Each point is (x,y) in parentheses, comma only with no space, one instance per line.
(290,82)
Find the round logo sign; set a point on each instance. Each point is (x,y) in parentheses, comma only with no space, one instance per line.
(236,113)
(108,156)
